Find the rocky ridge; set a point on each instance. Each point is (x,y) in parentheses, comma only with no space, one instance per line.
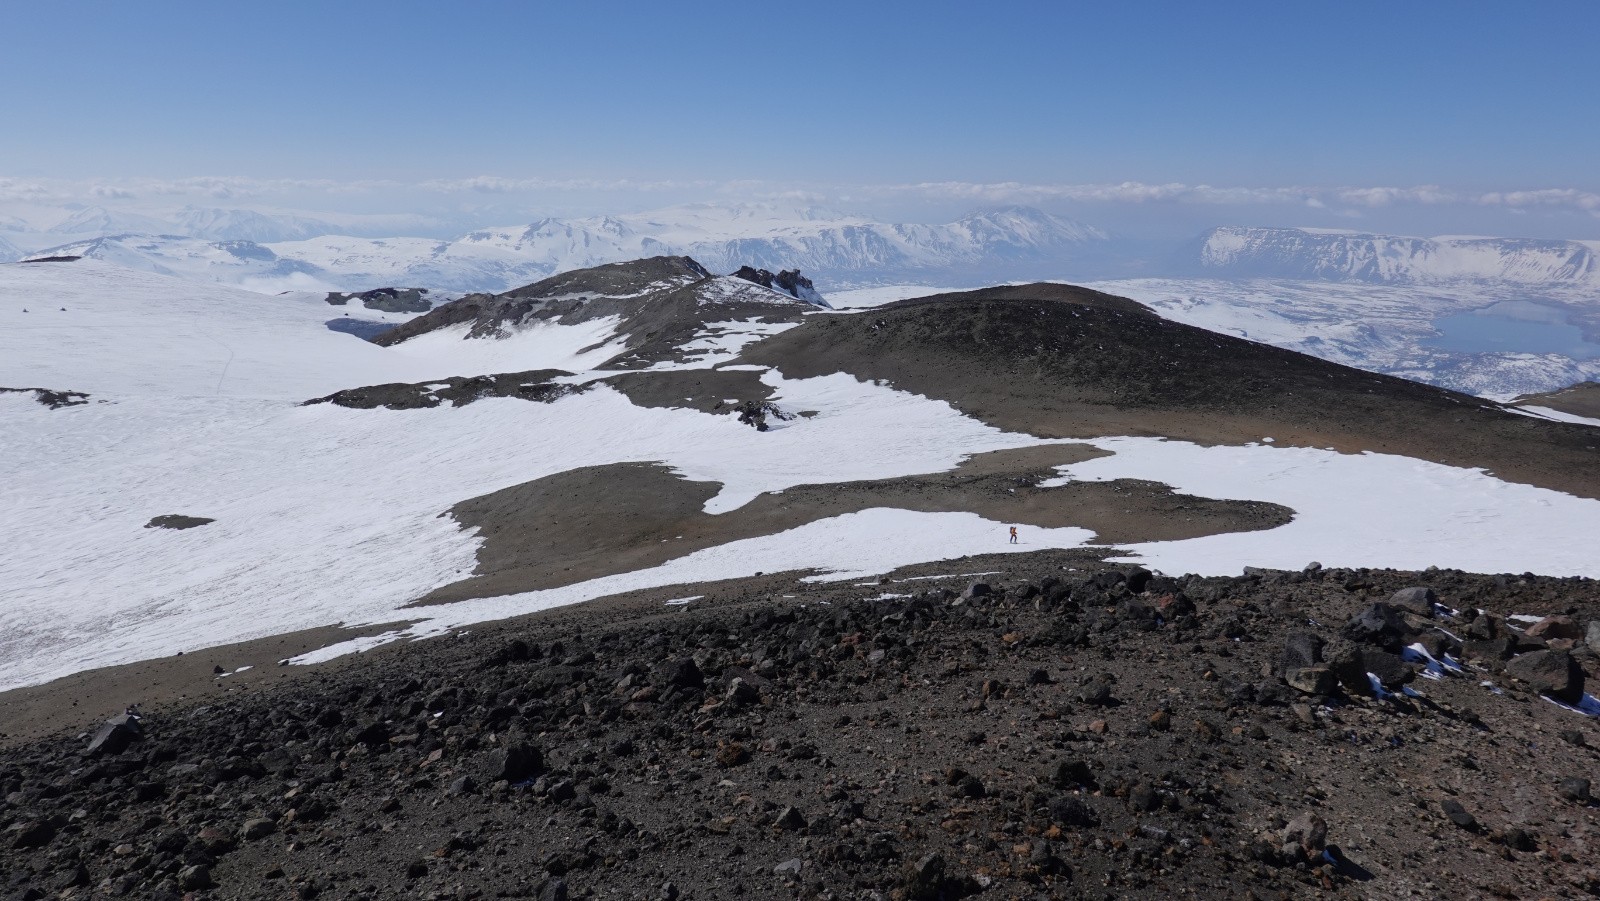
(660,303)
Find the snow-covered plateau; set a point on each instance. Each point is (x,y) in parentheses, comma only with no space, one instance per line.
(330,515)
(1306,253)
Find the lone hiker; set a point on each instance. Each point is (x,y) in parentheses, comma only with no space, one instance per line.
(1013,534)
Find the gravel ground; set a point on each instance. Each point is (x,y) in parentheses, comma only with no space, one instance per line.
(1058,729)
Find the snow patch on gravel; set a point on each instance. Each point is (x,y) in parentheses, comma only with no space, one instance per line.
(328,515)
(842,547)
(1374,510)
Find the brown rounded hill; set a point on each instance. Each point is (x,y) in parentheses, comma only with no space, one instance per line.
(1062,361)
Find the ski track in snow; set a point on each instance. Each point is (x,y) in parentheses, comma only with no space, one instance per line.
(326,515)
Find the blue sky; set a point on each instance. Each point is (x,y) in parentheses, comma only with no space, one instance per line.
(914,110)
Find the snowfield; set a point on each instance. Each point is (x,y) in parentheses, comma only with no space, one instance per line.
(1352,510)
(328,515)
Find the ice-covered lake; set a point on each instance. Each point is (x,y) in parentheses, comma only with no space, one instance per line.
(1513,326)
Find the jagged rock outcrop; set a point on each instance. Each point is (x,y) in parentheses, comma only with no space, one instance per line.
(55,400)
(387,300)
(458,391)
(789,281)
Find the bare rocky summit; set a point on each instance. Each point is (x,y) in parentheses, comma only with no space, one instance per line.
(660,303)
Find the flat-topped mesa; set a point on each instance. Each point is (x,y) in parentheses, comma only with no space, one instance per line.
(659,304)
(1307,253)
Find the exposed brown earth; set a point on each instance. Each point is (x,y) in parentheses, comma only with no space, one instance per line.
(601,520)
(92,695)
(458,391)
(704,390)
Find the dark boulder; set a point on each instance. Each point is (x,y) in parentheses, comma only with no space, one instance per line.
(923,879)
(195,878)
(373,734)
(177,521)
(33,834)
(1485,627)
(1553,673)
(1555,627)
(1518,839)
(680,672)
(1575,789)
(1352,665)
(1491,650)
(116,734)
(1308,831)
(1071,774)
(1302,649)
(741,693)
(790,818)
(1138,580)
(1458,814)
(519,761)
(258,828)
(1068,810)
(1312,680)
(1379,625)
(1418,600)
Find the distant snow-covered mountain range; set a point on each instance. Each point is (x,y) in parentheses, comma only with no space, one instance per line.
(1370,300)
(193,222)
(1304,253)
(280,252)
(275,253)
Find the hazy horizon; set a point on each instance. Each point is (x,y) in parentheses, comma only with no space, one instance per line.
(1154,120)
